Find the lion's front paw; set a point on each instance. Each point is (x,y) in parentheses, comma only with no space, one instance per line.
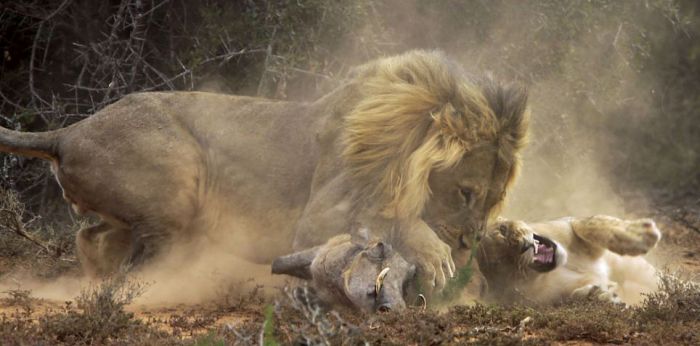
(433,258)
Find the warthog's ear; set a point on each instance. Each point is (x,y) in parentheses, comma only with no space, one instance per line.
(361,237)
(380,250)
(297,264)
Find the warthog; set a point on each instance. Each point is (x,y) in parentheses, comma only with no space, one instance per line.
(353,271)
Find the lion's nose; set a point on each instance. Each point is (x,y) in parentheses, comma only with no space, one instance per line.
(463,242)
(526,246)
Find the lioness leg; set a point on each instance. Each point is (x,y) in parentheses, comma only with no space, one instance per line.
(624,237)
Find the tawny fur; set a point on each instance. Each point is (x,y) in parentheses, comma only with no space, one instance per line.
(417,115)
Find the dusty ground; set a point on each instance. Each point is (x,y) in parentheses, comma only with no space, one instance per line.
(291,316)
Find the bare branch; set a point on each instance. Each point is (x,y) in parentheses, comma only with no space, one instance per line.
(31,65)
(19,230)
(60,8)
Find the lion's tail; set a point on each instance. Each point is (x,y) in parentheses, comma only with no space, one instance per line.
(33,144)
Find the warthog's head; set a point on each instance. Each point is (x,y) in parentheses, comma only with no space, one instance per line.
(363,274)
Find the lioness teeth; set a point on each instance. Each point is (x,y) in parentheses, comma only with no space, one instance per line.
(537,245)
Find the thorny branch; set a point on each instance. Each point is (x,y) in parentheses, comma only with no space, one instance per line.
(124,54)
(320,327)
(11,217)
(19,230)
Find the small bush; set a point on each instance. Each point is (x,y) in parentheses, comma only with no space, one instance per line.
(102,316)
(29,244)
(19,297)
(677,300)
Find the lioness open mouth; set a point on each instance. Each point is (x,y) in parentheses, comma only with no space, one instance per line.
(544,254)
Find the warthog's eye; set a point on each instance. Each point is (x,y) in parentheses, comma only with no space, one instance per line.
(467,195)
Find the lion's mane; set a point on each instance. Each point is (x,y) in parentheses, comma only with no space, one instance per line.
(419,112)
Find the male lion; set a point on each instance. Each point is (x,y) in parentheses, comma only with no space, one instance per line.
(599,256)
(407,146)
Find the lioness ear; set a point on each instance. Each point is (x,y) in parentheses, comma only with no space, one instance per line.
(297,264)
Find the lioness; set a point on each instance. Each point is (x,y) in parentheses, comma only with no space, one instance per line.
(354,271)
(408,146)
(545,262)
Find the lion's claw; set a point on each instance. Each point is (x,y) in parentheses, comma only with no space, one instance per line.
(436,267)
(433,257)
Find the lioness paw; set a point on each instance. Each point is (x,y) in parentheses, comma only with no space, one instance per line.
(646,231)
(641,236)
(624,237)
(597,292)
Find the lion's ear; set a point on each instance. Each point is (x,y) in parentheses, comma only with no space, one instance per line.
(297,264)
(509,105)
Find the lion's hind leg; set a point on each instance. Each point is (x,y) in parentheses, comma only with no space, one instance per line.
(86,248)
(624,237)
(102,248)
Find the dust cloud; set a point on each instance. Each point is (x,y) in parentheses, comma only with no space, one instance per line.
(188,274)
(213,274)
(579,65)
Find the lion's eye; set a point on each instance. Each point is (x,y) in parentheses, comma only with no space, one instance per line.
(503,229)
(467,195)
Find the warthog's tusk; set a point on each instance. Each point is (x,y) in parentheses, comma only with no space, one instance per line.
(423,301)
(380,280)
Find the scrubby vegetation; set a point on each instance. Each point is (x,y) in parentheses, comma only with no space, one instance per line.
(98,318)
(32,245)
(668,317)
